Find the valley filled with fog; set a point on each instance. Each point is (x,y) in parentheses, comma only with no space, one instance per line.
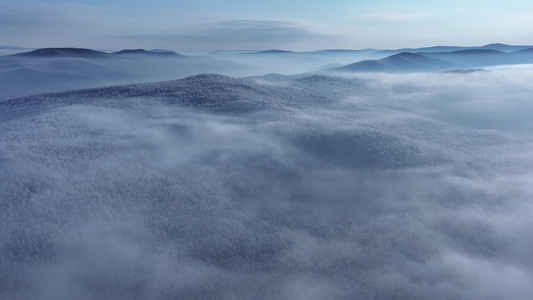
(277,175)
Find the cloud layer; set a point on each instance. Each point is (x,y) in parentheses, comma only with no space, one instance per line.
(208,25)
(285,188)
(236,34)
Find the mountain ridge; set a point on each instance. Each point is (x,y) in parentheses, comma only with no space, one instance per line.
(401,62)
(65,52)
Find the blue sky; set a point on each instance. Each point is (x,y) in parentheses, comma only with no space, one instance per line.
(263,24)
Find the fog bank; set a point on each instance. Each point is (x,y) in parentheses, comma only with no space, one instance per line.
(302,187)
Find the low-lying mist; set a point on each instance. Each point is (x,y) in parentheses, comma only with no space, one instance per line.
(303,187)
(26,74)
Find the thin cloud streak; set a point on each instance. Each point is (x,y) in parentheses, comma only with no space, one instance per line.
(240,31)
(392,17)
(44,14)
(208,27)
(231,34)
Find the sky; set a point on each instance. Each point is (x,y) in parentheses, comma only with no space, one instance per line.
(263,24)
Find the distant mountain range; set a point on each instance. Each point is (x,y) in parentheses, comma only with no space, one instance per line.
(65,52)
(425,59)
(88,53)
(155,52)
(75,52)
(402,62)
(495,46)
(381,52)
(441,61)
(272,51)
(57,69)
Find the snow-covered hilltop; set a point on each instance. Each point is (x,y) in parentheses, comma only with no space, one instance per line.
(322,185)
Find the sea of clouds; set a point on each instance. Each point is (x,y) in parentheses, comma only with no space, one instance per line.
(414,186)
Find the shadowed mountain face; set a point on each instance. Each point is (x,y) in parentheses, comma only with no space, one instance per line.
(412,186)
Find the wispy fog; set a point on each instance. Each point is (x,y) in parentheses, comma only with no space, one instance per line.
(301,187)
(30,73)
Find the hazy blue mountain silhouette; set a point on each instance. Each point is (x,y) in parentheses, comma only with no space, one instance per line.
(423,50)
(156,52)
(272,51)
(56,69)
(524,52)
(475,58)
(65,52)
(343,51)
(402,62)
(443,61)
(504,47)
(494,46)
(89,53)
